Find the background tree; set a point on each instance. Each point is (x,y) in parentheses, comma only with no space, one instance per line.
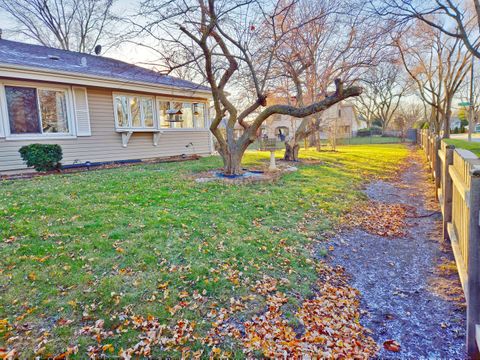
(384,87)
(334,44)
(77,25)
(438,64)
(457,19)
(366,108)
(464,93)
(407,116)
(234,43)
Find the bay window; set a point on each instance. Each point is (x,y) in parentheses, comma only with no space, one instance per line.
(134,112)
(36,111)
(178,115)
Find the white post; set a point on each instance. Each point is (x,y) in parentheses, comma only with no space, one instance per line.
(272,166)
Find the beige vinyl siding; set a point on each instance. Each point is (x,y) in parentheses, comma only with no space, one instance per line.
(105,144)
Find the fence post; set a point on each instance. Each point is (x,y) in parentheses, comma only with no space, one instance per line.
(473,277)
(436,165)
(447,189)
(427,148)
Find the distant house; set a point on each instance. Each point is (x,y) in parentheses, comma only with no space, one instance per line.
(340,117)
(98,109)
(455,123)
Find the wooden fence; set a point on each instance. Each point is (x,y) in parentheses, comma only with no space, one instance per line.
(456,173)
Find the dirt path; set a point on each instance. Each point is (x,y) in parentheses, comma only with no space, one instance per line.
(410,289)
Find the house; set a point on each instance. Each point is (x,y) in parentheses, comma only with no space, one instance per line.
(98,109)
(340,117)
(455,123)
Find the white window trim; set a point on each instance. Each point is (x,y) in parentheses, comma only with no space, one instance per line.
(189,101)
(118,128)
(3,114)
(5,120)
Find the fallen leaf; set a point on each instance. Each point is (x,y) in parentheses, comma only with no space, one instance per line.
(391,345)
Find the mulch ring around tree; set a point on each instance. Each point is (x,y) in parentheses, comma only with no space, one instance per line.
(248,176)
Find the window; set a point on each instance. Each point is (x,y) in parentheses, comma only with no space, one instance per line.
(177,115)
(36,110)
(134,112)
(199,115)
(147,111)
(187,115)
(122,111)
(53,110)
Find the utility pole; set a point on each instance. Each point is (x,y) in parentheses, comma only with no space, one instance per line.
(471,125)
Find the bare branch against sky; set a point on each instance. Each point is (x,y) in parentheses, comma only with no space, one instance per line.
(457,19)
(77,25)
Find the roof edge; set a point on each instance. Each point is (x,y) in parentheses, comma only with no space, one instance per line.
(76,78)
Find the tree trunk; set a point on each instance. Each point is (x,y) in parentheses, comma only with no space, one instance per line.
(232,165)
(291,151)
(446,130)
(446,125)
(232,156)
(318,140)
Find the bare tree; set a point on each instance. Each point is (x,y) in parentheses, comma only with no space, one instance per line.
(366,107)
(465,94)
(235,43)
(77,25)
(384,87)
(438,64)
(298,63)
(334,44)
(460,20)
(408,114)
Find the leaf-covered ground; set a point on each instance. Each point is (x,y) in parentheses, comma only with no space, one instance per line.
(145,261)
(412,297)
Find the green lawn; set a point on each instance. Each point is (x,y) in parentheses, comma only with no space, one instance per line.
(147,240)
(360,140)
(464,144)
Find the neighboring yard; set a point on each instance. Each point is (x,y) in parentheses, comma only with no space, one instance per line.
(357,140)
(464,144)
(139,244)
(375,139)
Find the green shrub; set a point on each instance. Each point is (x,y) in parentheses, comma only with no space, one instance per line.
(42,157)
(363,132)
(455,130)
(426,125)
